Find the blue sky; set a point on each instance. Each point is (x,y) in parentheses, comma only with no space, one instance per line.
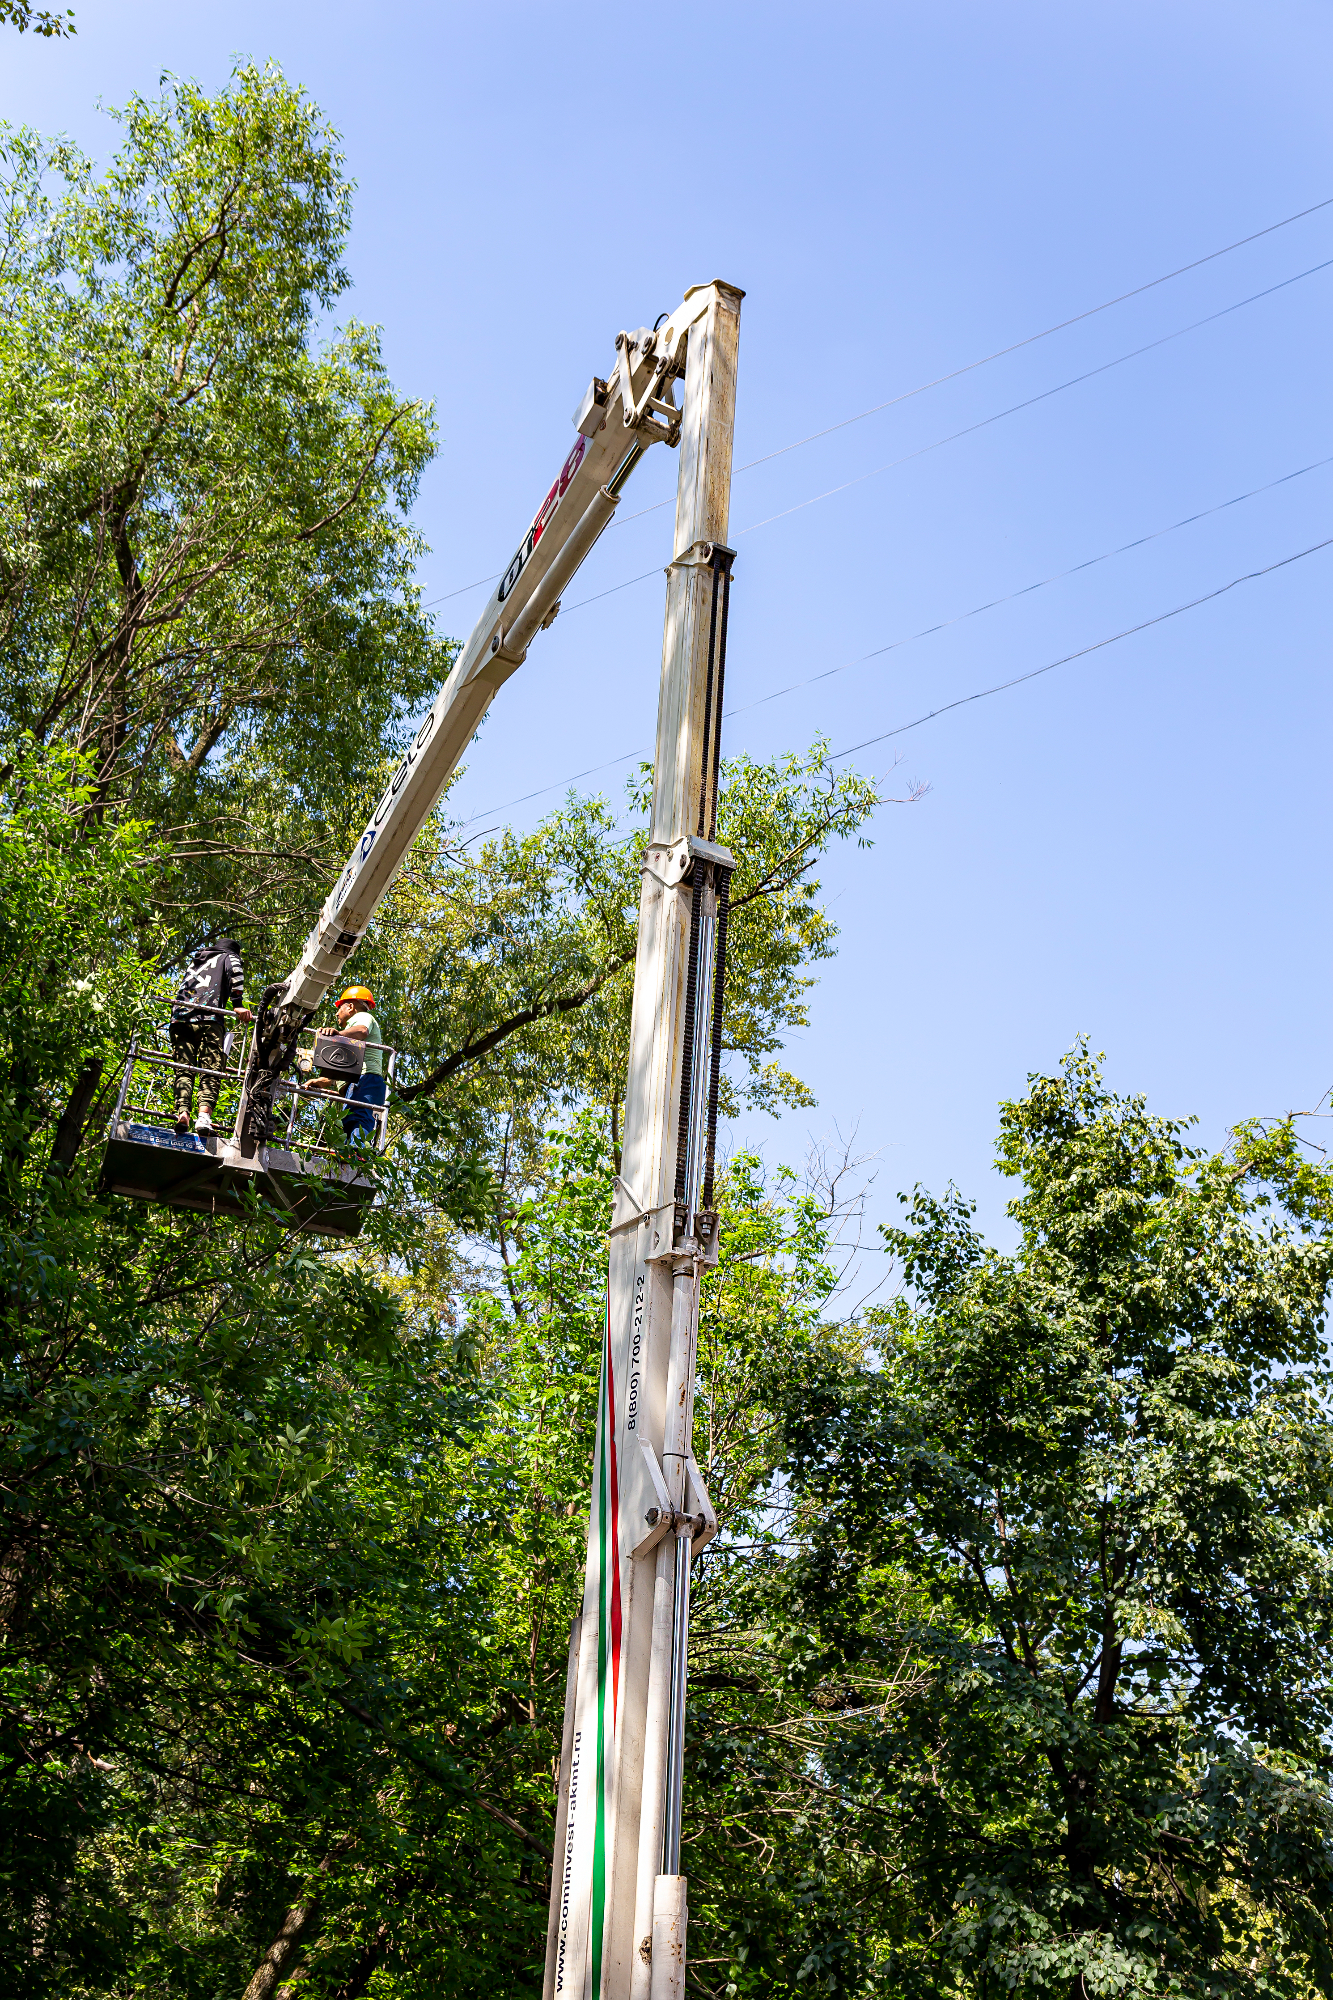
(1132,847)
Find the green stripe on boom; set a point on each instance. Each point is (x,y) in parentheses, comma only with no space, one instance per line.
(603,1630)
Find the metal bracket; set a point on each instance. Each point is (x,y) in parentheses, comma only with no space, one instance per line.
(661,1518)
(626,1208)
(652,410)
(698,1521)
(663,1239)
(648,412)
(699,555)
(708,1235)
(669,1241)
(590,415)
(696,1490)
(665,1227)
(669,862)
(712,850)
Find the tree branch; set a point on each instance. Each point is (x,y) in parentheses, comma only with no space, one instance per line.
(471,1052)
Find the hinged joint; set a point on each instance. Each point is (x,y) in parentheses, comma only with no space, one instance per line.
(697,1523)
(652,410)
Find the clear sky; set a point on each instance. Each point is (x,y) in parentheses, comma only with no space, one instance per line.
(1133,846)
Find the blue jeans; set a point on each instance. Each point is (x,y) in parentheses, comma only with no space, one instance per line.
(367,1089)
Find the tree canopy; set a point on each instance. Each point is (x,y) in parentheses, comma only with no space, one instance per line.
(1084,1496)
(289,1532)
(206,560)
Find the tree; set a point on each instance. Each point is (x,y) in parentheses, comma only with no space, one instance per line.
(1084,1492)
(510,971)
(240,1477)
(238,1488)
(206,562)
(537,1329)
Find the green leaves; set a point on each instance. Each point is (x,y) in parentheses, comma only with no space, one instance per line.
(511,970)
(290,1537)
(42,22)
(206,566)
(1104,1460)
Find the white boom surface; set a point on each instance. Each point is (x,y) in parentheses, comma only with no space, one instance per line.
(618,1917)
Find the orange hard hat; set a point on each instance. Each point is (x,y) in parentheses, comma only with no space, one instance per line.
(362,994)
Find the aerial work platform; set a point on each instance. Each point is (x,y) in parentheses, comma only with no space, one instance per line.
(618,1916)
(309,1173)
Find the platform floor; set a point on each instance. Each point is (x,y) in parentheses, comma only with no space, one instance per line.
(183,1170)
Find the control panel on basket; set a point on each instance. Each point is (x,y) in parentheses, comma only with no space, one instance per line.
(342,1056)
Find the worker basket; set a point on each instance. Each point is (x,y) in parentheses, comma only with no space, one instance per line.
(317,1170)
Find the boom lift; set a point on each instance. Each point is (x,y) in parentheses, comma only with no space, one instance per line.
(618,1911)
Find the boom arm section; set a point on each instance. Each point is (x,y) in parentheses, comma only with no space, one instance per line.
(617,421)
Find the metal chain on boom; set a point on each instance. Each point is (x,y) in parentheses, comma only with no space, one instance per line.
(721,558)
(687,1052)
(715,1054)
(702,1026)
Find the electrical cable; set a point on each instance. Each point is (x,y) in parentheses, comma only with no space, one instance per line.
(995,419)
(967,368)
(1001,352)
(1002,687)
(1035,673)
(982,423)
(1056,576)
(1042,396)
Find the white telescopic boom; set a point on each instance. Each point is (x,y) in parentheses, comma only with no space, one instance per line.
(618,1919)
(616,422)
(619,1915)
(633,412)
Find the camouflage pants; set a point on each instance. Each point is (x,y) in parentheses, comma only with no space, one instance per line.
(202,1051)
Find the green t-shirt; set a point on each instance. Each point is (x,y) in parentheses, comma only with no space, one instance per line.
(364,1023)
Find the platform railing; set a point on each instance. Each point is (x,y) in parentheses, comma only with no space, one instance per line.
(148,1090)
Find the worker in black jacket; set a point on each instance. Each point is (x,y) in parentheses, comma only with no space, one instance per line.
(198,1030)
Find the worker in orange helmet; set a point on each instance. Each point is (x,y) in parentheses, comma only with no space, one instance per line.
(356,1016)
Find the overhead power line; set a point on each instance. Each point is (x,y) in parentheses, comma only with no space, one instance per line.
(984,423)
(1002,687)
(1012,596)
(1031,338)
(982,694)
(981,424)
(1042,396)
(969,368)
